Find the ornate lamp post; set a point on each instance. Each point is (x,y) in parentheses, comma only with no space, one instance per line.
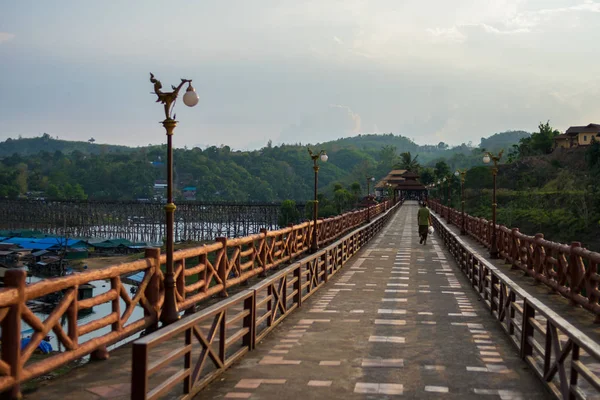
(170,312)
(440,190)
(314,246)
(462,174)
(496,159)
(369,180)
(444,182)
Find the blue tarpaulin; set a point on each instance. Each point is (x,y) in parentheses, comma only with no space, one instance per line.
(139,277)
(44,346)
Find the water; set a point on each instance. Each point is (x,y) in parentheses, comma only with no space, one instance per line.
(99,311)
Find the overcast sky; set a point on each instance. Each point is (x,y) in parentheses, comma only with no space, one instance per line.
(297,71)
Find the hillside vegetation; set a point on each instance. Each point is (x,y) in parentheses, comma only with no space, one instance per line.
(539,190)
(79,170)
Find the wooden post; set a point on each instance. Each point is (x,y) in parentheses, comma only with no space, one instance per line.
(526,330)
(152,291)
(575,273)
(515,251)
(263,253)
(222,268)
(139,367)
(249,322)
(11,332)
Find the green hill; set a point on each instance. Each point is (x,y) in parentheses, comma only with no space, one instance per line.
(47,167)
(31,146)
(502,140)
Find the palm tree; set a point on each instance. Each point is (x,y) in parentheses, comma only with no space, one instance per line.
(407,162)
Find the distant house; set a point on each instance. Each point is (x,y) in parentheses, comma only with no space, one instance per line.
(160,189)
(189,193)
(577,136)
(120,246)
(8,257)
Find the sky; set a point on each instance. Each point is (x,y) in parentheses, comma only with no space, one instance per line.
(297,71)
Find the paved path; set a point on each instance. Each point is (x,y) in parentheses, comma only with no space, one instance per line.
(399,320)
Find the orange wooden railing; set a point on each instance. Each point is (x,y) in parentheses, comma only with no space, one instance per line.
(209,269)
(571,270)
(228,330)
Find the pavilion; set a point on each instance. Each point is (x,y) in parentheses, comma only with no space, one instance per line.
(405,184)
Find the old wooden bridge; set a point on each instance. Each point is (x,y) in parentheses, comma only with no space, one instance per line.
(372,314)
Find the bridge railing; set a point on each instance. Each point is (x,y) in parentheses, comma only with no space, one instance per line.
(570,270)
(200,272)
(562,356)
(195,350)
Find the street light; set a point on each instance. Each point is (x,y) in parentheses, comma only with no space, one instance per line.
(462,174)
(323,156)
(170,312)
(496,159)
(369,180)
(448,193)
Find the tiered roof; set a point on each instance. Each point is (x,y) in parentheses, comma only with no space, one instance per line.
(401,179)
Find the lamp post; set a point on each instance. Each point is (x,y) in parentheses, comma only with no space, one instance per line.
(439,191)
(496,159)
(369,180)
(315,157)
(170,313)
(462,174)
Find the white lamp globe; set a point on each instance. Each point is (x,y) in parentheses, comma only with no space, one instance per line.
(439,182)
(486,159)
(324,157)
(456,173)
(373,179)
(190,98)
(444,179)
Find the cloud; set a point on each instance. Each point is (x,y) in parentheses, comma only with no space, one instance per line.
(5,37)
(331,123)
(530,19)
(460,33)
(451,34)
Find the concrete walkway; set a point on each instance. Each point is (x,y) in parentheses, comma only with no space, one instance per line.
(400,320)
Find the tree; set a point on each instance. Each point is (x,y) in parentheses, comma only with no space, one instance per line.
(427,176)
(543,141)
(407,162)
(387,156)
(441,169)
(288,213)
(91,140)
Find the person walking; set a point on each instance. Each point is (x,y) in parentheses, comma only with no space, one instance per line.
(424,221)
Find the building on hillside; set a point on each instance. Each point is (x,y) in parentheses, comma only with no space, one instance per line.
(404,184)
(189,193)
(577,136)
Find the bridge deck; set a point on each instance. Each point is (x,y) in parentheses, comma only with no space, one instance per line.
(400,319)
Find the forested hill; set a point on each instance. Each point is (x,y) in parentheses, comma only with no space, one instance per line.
(502,140)
(55,168)
(31,146)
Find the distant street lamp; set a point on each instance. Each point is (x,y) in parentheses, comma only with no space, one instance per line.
(496,159)
(315,157)
(369,180)
(462,174)
(170,313)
